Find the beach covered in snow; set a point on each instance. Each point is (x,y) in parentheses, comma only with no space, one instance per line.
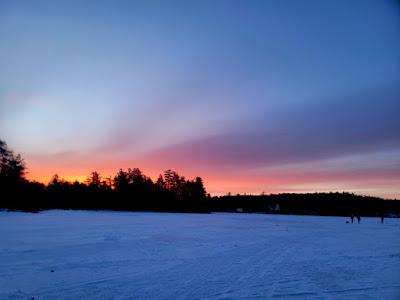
(125,255)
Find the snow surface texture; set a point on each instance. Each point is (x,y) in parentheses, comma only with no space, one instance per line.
(123,255)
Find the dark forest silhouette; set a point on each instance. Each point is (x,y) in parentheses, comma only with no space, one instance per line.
(127,190)
(131,190)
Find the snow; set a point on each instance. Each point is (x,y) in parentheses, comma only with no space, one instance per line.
(124,255)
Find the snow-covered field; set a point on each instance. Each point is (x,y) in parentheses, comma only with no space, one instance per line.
(122,255)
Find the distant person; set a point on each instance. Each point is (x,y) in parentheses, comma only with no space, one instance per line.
(352,218)
(382,219)
(358,219)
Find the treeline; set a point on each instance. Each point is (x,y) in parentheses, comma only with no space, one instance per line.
(328,204)
(127,190)
(131,190)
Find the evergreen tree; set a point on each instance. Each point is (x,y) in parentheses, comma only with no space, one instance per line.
(12,168)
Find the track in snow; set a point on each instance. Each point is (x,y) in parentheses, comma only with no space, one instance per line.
(122,255)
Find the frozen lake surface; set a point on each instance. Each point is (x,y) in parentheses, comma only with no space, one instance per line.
(124,255)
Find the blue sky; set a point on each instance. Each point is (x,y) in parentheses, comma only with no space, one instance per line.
(242,93)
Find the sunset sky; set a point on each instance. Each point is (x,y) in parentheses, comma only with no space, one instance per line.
(254,96)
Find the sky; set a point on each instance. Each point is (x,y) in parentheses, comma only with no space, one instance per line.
(253,96)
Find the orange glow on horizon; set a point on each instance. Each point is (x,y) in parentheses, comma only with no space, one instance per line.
(218,183)
(45,179)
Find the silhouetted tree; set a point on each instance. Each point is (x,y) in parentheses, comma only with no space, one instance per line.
(55,180)
(121,181)
(175,184)
(12,178)
(12,167)
(199,191)
(94,180)
(160,183)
